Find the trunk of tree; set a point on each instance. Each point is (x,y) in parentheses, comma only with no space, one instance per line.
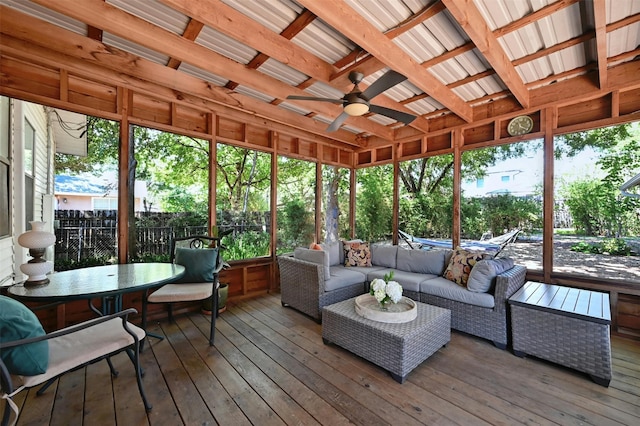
(332,211)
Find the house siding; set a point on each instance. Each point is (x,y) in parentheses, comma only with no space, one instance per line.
(11,254)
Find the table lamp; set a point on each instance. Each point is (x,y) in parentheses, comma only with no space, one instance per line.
(37,240)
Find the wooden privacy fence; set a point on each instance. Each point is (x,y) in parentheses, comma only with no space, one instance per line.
(86,234)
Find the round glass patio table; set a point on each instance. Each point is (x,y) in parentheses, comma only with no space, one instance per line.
(109,281)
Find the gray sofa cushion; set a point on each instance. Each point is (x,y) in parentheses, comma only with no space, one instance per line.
(334,250)
(342,277)
(423,261)
(384,255)
(449,290)
(408,280)
(365,270)
(320,257)
(484,272)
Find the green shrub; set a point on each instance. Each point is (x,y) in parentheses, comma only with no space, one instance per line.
(611,246)
(68,264)
(246,245)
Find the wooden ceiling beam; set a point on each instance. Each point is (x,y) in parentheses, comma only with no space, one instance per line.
(548,10)
(471,20)
(355,27)
(238,26)
(600,17)
(139,31)
(227,20)
(298,24)
(194,27)
(414,20)
(26,35)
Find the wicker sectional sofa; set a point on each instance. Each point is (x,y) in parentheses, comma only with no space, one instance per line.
(312,279)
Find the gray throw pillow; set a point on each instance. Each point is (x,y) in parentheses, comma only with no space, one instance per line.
(485,271)
(319,257)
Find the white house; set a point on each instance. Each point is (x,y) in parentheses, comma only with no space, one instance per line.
(89,192)
(27,148)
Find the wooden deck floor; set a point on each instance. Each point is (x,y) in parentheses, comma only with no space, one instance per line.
(270,367)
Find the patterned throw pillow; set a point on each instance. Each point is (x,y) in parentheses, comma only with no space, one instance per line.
(357,254)
(461,263)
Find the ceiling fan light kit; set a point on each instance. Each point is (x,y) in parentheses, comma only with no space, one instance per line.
(356,109)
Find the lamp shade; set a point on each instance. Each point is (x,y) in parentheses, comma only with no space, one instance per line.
(37,237)
(37,240)
(357,108)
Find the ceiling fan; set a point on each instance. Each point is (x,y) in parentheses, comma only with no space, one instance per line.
(356,102)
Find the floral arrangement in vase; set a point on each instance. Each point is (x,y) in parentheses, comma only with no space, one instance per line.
(385,290)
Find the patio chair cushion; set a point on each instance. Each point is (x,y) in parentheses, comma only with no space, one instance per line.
(357,254)
(484,272)
(320,257)
(19,322)
(461,263)
(199,264)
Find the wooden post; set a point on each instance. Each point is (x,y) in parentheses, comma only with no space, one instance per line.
(124,100)
(213,177)
(547,215)
(457,141)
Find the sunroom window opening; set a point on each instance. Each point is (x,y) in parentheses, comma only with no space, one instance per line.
(426,202)
(597,228)
(504,207)
(295,214)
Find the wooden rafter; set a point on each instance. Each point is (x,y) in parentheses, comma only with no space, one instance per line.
(599,13)
(470,19)
(192,32)
(142,32)
(298,24)
(278,46)
(360,31)
(26,36)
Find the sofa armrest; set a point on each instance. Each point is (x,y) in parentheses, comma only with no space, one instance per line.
(507,283)
(296,274)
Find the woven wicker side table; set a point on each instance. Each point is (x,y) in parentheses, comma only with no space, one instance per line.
(396,347)
(568,326)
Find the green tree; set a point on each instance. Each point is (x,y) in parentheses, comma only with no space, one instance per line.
(374,203)
(336,202)
(595,204)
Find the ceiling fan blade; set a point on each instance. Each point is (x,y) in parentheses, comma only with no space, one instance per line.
(337,122)
(311,98)
(392,113)
(388,80)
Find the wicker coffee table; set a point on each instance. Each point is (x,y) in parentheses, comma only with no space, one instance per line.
(568,326)
(398,348)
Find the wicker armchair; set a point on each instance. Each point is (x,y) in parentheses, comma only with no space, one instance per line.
(302,287)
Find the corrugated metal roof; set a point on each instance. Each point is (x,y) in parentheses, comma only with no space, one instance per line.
(439,34)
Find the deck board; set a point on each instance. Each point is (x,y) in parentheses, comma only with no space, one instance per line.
(270,367)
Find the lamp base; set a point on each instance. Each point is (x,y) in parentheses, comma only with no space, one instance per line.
(36,283)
